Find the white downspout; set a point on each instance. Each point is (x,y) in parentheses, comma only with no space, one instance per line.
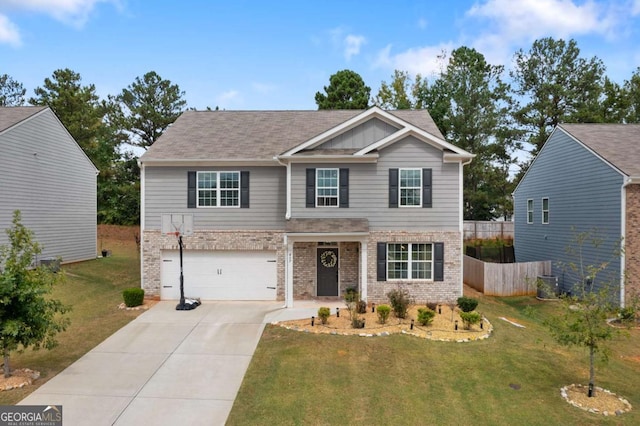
(142,222)
(363,269)
(461,222)
(287,214)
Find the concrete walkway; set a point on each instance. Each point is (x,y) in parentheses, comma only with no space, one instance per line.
(167,367)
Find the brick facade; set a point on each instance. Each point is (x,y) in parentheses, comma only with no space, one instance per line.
(153,242)
(305,258)
(632,242)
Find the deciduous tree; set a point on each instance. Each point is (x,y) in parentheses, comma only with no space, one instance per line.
(29,317)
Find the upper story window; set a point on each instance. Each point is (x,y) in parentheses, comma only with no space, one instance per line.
(327,187)
(529,211)
(218,189)
(545,210)
(410,187)
(410,261)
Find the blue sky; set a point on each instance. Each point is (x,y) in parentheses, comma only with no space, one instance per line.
(278,54)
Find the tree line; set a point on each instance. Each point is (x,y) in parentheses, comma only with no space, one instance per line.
(485,109)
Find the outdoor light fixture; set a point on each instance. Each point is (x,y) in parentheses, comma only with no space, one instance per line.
(337,312)
(411,324)
(481,324)
(439,309)
(312,320)
(373,307)
(456,326)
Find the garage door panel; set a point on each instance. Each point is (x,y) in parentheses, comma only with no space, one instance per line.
(220,275)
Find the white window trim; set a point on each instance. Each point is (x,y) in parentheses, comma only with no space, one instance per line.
(409,263)
(400,205)
(543,211)
(337,187)
(218,189)
(529,222)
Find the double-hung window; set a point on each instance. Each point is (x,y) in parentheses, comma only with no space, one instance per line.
(409,261)
(327,186)
(545,211)
(410,187)
(218,189)
(529,211)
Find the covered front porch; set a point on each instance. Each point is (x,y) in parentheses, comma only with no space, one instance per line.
(324,257)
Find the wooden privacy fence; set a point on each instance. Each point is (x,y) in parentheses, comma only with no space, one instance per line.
(504,279)
(484,230)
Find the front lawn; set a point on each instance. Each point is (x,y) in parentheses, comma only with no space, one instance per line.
(514,377)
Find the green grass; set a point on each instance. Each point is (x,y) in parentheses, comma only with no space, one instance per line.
(94,290)
(306,379)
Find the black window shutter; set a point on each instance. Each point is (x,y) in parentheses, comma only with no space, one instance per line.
(244,190)
(311,187)
(393,188)
(191,190)
(344,188)
(381,262)
(426,188)
(438,261)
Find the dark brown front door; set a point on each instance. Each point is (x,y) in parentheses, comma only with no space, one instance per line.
(327,272)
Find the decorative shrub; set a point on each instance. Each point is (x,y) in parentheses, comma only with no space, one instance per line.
(351,295)
(133,297)
(361,307)
(400,301)
(470,318)
(357,322)
(467,304)
(425,316)
(628,314)
(432,305)
(383,313)
(324,313)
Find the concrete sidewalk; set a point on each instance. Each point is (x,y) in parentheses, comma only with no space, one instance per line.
(167,367)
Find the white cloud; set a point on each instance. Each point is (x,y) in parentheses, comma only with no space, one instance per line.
(422,60)
(352,45)
(262,88)
(635,7)
(9,33)
(72,12)
(227,99)
(423,23)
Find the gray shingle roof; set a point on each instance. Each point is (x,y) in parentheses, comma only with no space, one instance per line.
(254,135)
(10,116)
(619,144)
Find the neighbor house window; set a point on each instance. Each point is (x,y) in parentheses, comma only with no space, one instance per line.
(327,187)
(218,189)
(545,210)
(409,261)
(529,211)
(410,187)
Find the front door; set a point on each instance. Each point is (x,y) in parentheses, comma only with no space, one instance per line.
(327,271)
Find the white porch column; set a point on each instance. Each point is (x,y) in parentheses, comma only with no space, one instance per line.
(288,291)
(363,270)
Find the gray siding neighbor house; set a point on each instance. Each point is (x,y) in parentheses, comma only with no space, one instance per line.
(47,176)
(291,205)
(584,180)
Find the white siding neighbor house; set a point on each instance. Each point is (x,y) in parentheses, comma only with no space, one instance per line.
(47,176)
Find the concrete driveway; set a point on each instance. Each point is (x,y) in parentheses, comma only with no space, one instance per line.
(166,367)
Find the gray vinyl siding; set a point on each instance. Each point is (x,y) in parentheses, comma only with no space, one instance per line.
(361,136)
(584,194)
(369,190)
(45,175)
(166,192)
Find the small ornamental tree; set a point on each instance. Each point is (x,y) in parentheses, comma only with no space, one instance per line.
(28,316)
(583,317)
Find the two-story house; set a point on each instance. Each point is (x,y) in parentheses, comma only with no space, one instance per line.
(289,205)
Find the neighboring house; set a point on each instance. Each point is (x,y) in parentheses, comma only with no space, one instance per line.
(289,205)
(47,176)
(584,179)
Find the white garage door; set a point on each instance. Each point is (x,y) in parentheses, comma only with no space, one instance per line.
(220,275)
